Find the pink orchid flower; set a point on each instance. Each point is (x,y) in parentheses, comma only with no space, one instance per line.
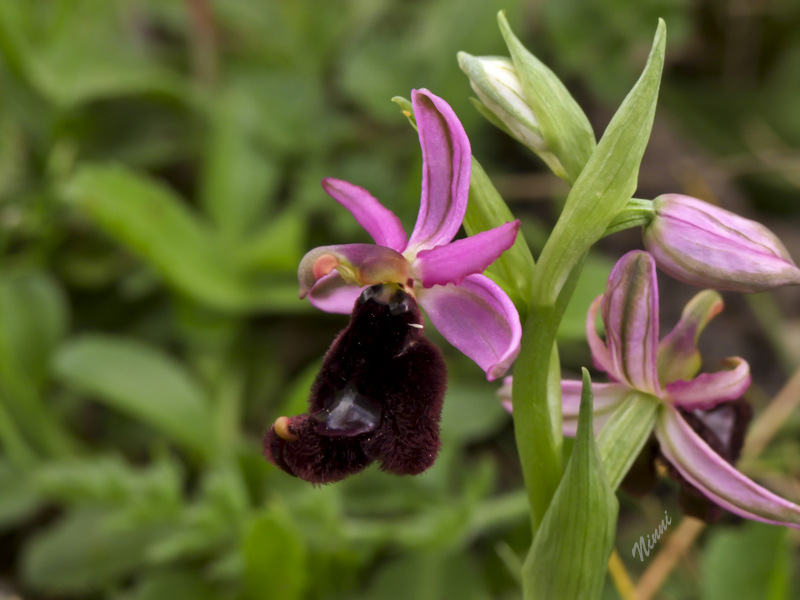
(635,360)
(444,276)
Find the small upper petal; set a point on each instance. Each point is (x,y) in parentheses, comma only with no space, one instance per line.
(630,315)
(716,478)
(709,389)
(451,263)
(479,319)
(446,166)
(359,264)
(333,294)
(377,220)
(678,356)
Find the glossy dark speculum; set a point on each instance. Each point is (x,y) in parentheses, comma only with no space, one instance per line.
(377,397)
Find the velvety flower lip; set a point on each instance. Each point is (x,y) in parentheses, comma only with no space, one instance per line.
(630,313)
(444,276)
(705,245)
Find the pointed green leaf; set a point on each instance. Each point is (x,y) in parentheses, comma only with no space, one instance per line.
(142,382)
(154,223)
(238,178)
(625,433)
(565,128)
(86,551)
(606,183)
(570,552)
(275,560)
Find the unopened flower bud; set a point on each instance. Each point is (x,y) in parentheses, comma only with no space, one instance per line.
(705,245)
(496,82)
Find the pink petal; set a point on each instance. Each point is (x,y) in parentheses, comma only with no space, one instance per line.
(479,319)
(377,220)
(446,166)
(600,355)
(333,294)
(715,477)
(709,389)
(451,263)
(678,356)
(359,264)
(607,397)
(630,314)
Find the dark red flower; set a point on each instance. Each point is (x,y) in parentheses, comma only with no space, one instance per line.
(377,397)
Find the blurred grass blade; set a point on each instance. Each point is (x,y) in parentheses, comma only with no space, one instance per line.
(565,128)
(142,382)
(753,562)
(570,552)
(33,319)
(238,181)
(155,224)
(275,560)
(607,181)
(86,551)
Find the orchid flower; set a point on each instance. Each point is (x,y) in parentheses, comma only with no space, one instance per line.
(666,371)
(444,276)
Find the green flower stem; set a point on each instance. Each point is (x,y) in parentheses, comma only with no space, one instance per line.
(537,401)
(637,213)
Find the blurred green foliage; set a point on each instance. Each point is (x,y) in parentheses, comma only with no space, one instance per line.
(159,182)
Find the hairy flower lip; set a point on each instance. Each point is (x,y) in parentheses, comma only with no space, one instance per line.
(705,245)
(444,275)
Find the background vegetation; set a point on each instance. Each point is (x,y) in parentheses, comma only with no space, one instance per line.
(160,164)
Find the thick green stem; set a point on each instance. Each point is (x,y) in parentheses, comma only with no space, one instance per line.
(537,402)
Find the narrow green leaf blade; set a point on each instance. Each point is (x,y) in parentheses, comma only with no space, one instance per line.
(152,222)
(607,181)
(142,382)
(275,560)
(570,552)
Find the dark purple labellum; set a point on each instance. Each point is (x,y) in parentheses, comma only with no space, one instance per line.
(377,397)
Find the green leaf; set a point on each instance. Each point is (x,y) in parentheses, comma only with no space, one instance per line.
(142,382)
(565,128)
(86,551)
(81,51)
(429,576)
(513,271)
(238,179)
(171,584)
(625,434)
(276,561)
(109,480)
(18,498)
(33,319)
(748,563)
(606,183)
(154,223)
(570,552)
